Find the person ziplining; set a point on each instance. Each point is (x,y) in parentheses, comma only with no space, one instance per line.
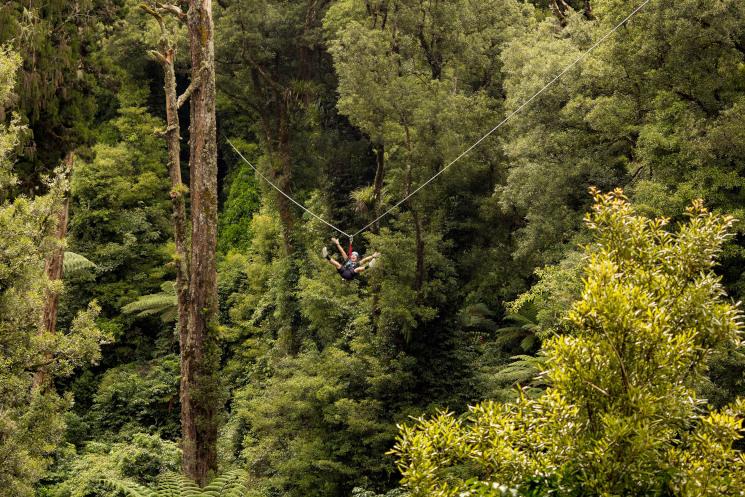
(352,265)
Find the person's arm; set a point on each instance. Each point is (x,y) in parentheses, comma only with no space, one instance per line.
(339,247)
(369,258)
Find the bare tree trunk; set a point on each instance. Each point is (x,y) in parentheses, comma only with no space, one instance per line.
(53,269)
(178,190)
(166,57)
(199,386)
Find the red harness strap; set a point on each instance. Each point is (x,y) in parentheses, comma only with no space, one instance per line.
(350,246)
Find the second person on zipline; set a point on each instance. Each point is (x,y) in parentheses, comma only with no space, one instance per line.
(352,265)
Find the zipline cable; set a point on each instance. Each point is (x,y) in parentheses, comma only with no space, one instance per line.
(509,116)
(287,196)
(466,151)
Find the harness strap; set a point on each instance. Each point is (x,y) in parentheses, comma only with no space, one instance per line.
(351,239)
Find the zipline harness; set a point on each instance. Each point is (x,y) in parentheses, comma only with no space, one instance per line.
(462,154)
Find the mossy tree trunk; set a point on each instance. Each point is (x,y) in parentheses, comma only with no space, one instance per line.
(53,269)
(199,387)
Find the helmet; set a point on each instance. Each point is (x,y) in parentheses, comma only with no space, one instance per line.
(356,254)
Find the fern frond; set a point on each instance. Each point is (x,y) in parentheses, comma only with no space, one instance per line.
(229,484)
(363,198)
(176,485)
(509,335)
(146,303)
(130,488)
(163,303)
(168,287)
(72,263)
(529,342)
(523,369)
(169,315)
(479,317)
(152,311)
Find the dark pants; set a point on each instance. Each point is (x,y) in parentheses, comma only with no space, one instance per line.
(347,273)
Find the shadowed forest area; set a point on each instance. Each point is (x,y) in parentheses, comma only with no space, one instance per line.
(555,314)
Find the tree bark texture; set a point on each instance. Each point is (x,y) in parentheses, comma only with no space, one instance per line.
(55,261)
(284,177)
(199,386)
(53,269)
(178,191)
(378,184)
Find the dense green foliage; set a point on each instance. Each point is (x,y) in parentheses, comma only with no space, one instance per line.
(58,85)
(621,415)
(31,419)
(349,106)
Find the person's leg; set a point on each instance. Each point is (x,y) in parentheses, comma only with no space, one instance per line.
(334,262)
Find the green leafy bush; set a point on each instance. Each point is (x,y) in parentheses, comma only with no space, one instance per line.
(140,460)
(137,397)
(621,415)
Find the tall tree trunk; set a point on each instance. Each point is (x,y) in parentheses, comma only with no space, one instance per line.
(275,124)
(377,207)
(178,190)
(53,269)
(378,184)
(419,279)
(284,157)
(200,395)
(419,247)
(166,57)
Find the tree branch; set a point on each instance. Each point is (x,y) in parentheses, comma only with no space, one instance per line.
(190,89)
(158,56)
(173,9)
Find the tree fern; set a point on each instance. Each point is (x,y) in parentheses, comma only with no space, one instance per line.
(523,370)
(73,263)
(229,484)
(163,303)
(175,485)
(520,333)
(521,328)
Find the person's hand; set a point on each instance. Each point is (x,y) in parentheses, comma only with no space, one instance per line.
(335,240)
(376,254)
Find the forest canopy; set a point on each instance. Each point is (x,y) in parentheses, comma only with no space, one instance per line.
(541,296)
